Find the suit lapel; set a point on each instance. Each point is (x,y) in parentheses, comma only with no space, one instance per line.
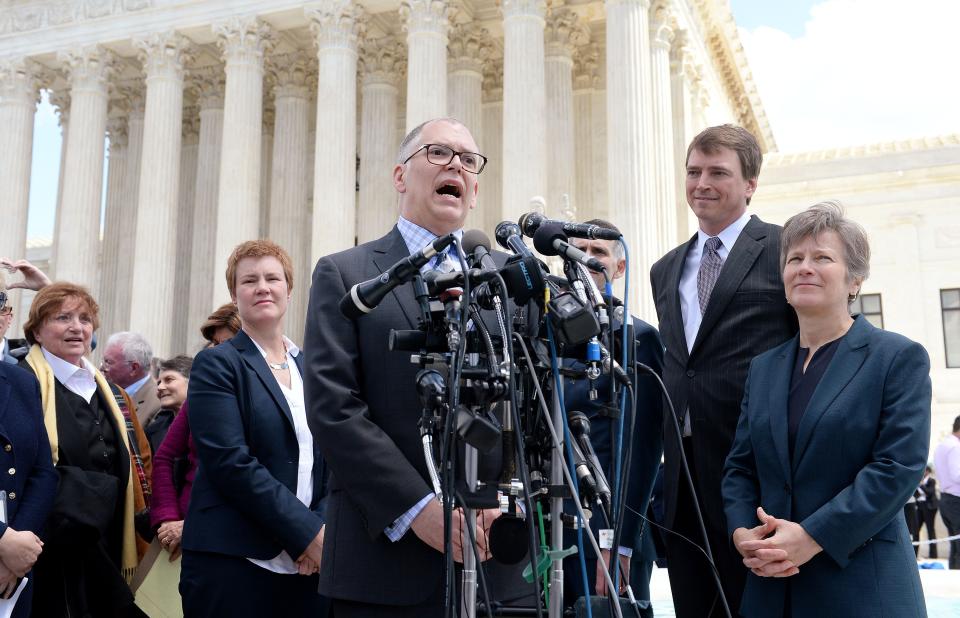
(850,354)
(255,360)
(677,338)
(386,252)
(781,369)
(738,263)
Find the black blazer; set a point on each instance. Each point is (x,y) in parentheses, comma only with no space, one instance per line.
(363,411)
(747,315)
(244,501)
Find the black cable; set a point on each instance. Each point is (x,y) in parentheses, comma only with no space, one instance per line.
(693,492)
(472,537)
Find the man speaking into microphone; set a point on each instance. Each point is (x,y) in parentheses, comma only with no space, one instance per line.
(385,535)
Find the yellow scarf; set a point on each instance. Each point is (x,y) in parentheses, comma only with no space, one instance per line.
(48,398)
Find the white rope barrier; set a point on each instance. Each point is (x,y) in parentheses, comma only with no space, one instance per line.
(932,541)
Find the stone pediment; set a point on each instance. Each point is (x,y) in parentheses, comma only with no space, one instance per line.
(27,15)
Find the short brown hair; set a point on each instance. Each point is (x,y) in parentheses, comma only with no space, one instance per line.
(225,316)
(256,249)
(737,139)
(180,363)
(50,299)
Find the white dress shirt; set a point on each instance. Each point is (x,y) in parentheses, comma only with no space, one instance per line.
(283,563)
(946,463)
(78,380)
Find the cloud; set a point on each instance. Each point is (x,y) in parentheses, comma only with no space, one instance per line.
(863,71)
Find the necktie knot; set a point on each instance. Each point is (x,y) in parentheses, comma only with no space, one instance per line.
(714,243)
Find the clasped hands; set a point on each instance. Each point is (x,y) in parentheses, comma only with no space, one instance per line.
(428,526)
(775,548)
(19,550)
(309,561)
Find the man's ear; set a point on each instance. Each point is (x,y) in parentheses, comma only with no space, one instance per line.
(621,268)
(751,187)
(399,182)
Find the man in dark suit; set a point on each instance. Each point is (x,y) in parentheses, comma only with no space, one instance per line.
(720,302)
(384,540)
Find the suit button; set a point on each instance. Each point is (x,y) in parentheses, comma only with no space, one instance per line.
(7,447)
(12,471)
(12,495)
(691,373)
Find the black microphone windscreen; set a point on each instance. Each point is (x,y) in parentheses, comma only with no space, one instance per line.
(473,239)
(504,230)
(508,539)
(530,222)
(544,237)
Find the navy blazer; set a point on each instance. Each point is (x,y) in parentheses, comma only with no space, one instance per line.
(244,501)
(860,452)
(28,475)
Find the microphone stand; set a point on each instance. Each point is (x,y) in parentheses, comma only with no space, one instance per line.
(556,504)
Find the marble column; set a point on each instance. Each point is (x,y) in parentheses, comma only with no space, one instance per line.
(78,241)
(628,138)
(19,93)
(128,212)
(155,259)
(382,65)
(266,161)
(337,25)
(584,72)
(244,41)
(524,106)
(60,100)
(426,24)
(601,202)
(489,199)
(189,155)
(563,34)
(665,170)
(683,77)
(288,187)
(209,84)
(113,219)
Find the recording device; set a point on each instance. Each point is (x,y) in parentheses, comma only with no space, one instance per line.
(366,295)
(477,247)
(550,239)
(580,430)
(533,221)
(510,237)
(573,322)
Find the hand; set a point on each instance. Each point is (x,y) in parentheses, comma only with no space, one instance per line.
(604,565)
(310,558)
(170,534)
(8,582)
(33,277)
(19,550)
(789,543)
(428,526)
(486,517)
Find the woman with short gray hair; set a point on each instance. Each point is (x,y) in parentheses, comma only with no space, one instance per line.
(832,440)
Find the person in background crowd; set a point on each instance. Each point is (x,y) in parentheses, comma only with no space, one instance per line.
(946,462)
(720,302)
(33,279)
(91,549)
(255,520)
(172,392)
(126,363)
(175,462)
(6,318)
(831,442)
(928,509)
(30,485)
(911,515)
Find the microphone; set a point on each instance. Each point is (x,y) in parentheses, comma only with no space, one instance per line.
(510,238)
(508,539)
(476,245)
(366,295)
(551,240)
(580,429)
(588,483)
(533,221)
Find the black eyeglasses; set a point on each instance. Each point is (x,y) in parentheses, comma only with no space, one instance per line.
(438,154)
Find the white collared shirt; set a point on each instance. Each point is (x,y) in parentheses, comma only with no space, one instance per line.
(136,386)
(79,380)
(283,563)
(689,298)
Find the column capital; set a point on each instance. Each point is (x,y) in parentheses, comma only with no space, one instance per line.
(644,4)
(564,32)
(382,61)
(117,130)
(244,40)
(88,68)
(523,8)
(20,80)
(425,17)
(662,27)
(493,80)
(336,23)
(208,84)
(290,74)
(586,65)
(191,125)
(469,47)
(163,54)
(60,99)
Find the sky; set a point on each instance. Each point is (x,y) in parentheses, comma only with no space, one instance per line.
(830,73)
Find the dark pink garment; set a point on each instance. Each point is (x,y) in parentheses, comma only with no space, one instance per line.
(166,505)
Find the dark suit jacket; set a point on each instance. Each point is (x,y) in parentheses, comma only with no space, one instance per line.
(244,500)
(747,314)
(363,411)
(929,489)
(860,452)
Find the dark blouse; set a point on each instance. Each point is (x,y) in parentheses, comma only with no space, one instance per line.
(804,383)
